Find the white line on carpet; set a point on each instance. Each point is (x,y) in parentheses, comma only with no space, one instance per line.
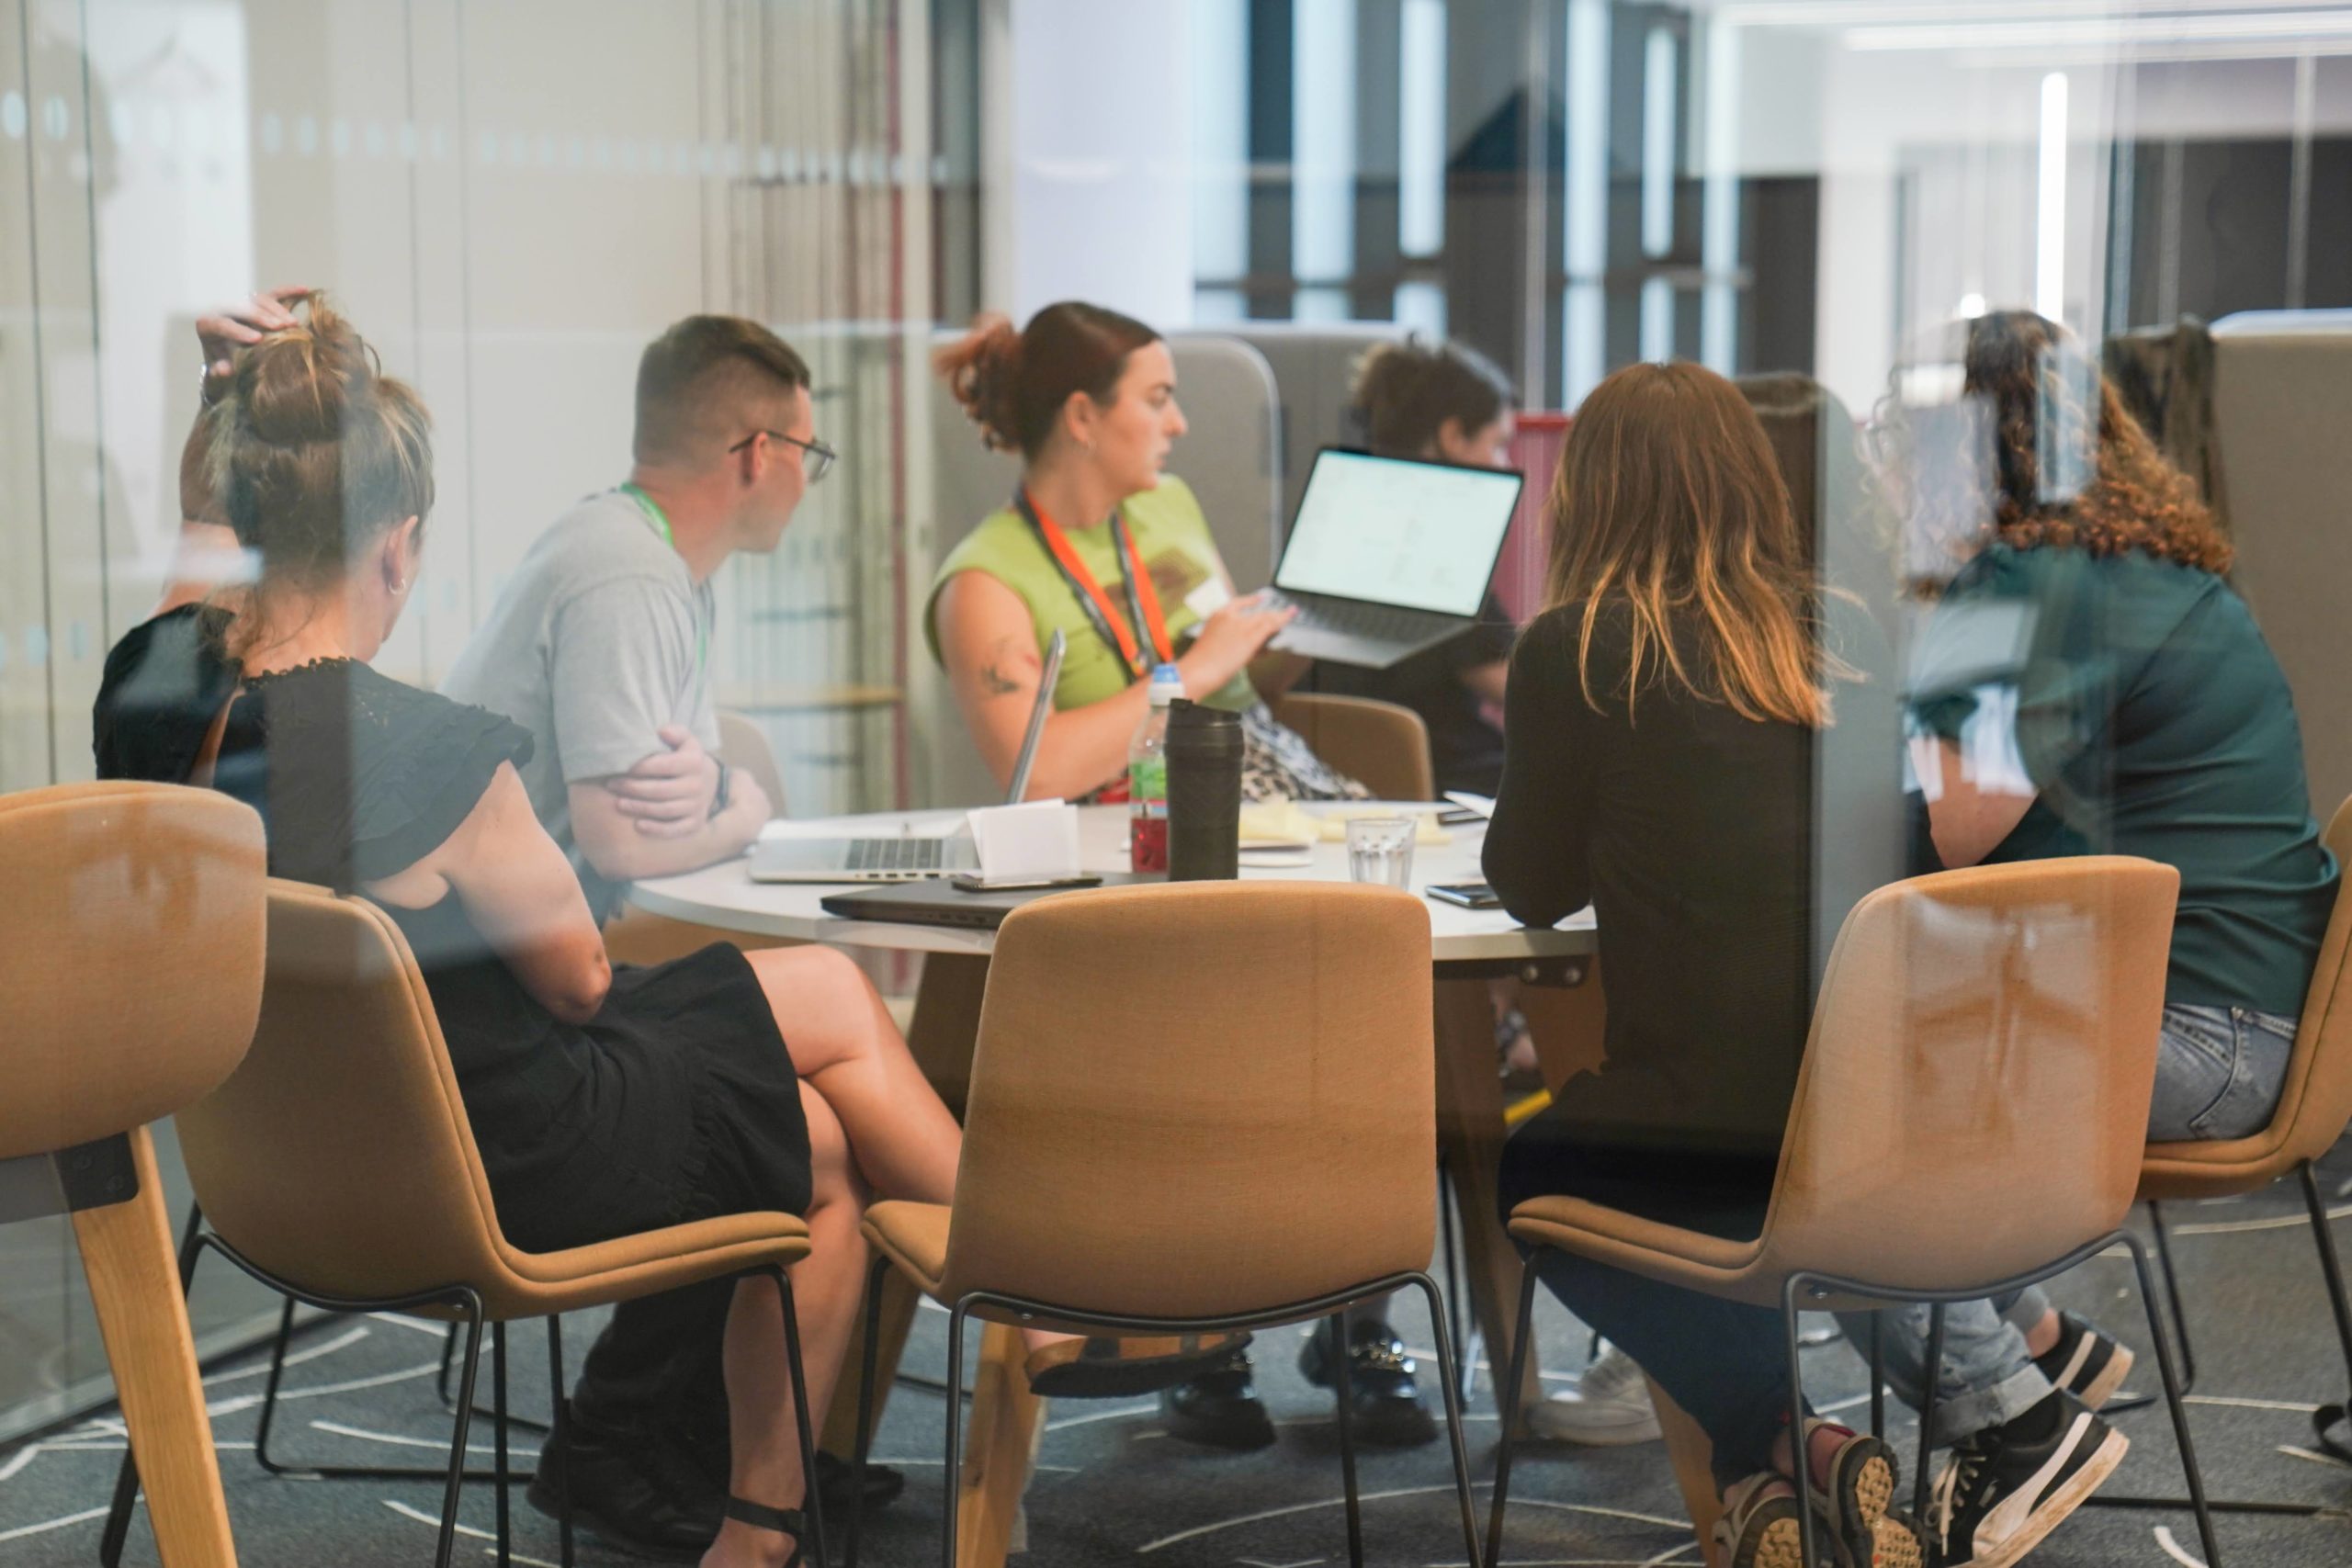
(1101,1416)
(23,1531)
(2172,1548)
(1406,1491)
(2238,1403)
(438,1330)
(340,1342)
(25,1456)
(420,1517)
(2278,1222)
(513,1454)
(2313,1455)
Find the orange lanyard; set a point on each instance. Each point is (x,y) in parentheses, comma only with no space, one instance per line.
(1143,600)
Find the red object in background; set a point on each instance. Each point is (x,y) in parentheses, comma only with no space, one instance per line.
(1535,445)
(1148,843)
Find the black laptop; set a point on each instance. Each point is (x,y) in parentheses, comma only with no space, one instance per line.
(942,904)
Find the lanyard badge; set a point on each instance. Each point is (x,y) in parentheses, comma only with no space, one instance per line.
(1143,622)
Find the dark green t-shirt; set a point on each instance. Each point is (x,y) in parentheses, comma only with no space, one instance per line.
(2139,700)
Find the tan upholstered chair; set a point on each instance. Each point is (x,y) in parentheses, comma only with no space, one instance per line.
(2315,1105)
(1382,745)
(1194,1109)
(1968,1120)
(337,1167)
(130,956)
(639,936)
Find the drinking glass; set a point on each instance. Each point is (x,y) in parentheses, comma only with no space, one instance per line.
(1380,848)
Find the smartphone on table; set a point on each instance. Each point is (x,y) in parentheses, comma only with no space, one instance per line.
(1469,895)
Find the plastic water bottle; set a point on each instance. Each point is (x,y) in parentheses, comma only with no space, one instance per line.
(1148,775)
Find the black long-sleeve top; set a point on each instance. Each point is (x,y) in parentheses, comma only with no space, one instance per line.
(1689,831)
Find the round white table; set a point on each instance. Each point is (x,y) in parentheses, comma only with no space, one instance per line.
(724,897)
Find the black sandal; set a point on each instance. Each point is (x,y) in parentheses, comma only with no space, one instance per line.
(783,1521)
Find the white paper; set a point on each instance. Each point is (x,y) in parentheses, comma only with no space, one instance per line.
(1483,805)
(1035,840)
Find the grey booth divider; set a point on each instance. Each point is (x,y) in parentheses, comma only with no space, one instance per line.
(2282,404)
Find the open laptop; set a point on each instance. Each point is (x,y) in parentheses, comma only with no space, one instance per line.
(926,845)
(1388,556)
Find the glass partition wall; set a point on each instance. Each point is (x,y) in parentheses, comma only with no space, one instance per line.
(510,197)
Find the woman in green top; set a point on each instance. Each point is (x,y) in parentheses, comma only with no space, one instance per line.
(1100,543)
(2088,685)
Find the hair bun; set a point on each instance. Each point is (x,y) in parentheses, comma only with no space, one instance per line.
(298,386)
(983,371)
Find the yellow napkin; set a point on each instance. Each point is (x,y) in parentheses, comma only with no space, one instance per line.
(1280,821)
(1334,823)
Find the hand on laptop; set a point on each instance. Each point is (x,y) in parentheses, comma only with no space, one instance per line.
(1229,640)
(668,794)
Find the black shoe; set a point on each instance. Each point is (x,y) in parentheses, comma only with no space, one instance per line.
(2006,1488)
(2085,1361)
(1220,1408)
(836,1479)
(1384,1406)
(643,1492)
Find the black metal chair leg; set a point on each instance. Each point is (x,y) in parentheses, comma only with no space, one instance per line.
(1508,1402)
(498,1425)
(2174,1393)
(2179,1316)
(1932,1387)
(269,1391)
(1800,1450)
(954,1474)
(1439,1326)
(812,1501)
(2331,1268)
(1878,1375)
(1341,1400)
(557,1436)
(1457,1364)
(463,1419)
(868,1364)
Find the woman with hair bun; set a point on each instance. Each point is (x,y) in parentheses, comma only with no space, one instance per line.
(604,1101)
(1099,543)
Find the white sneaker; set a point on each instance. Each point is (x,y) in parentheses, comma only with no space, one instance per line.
(1610,1406)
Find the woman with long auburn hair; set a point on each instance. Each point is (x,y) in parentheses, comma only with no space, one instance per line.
(1665,711)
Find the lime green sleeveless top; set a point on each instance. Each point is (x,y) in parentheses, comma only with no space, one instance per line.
(1172,537)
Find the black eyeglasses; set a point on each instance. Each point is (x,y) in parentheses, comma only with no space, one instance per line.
(820,458)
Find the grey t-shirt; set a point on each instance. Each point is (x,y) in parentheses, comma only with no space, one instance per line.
(600,638)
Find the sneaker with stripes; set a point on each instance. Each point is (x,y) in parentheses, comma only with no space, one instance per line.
(2085,1362)
(2006,1488)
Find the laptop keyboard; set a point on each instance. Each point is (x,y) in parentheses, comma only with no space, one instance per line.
(897,854)
(1381,623)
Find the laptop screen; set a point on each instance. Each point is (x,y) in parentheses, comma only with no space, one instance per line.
(1423,536)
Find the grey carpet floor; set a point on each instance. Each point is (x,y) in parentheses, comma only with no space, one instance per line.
(1111,1487)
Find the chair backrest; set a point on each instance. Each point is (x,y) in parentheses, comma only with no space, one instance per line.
(1200,1099)
(2316,1100)
(1975,1095)
(743,744)
(130,955)
(338,1156)
(1382,745)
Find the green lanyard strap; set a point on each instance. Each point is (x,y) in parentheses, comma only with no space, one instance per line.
(659,521)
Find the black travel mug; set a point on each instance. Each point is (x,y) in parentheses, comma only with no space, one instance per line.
(1204,794)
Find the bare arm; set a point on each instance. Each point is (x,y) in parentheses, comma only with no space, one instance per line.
(1967,823)
(612,833)
(990,646)
(520,892)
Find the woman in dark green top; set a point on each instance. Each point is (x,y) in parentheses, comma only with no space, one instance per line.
(2089,684)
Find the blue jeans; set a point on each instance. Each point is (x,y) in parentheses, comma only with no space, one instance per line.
(2217,1075)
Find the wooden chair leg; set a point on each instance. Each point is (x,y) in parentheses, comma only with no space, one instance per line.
(1693,1458)
(133,1273)
(1003,1441)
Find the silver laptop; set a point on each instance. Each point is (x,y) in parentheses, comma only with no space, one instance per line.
(926,845)
(1388,556)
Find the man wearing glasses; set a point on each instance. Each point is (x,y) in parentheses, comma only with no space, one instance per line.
(600,643)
